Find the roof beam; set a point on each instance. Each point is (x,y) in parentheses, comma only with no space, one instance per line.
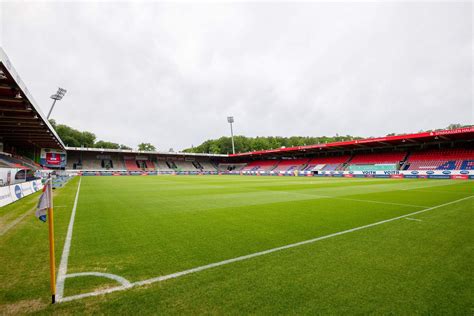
(11,100)
(18,116)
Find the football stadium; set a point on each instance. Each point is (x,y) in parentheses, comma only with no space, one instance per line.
(377,225)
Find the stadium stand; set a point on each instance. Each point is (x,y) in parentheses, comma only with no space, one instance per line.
(150,165)
(131,165)
(26,162)
(207,166)
(378,158)
(162,166)
(312,158)
(185,166)
(261,165)
(289,165)
(326,163)
(11,162)
(446,159)
(231,166)
(385,161)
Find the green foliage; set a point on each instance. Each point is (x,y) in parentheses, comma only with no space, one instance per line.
(454,126)
(74,138)
(108,145)
(146,147)
(223,145)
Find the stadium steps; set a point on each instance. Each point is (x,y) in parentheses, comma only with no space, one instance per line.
(405,162)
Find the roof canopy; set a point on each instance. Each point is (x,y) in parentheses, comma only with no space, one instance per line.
(21,121)
(466,133)
(141,152)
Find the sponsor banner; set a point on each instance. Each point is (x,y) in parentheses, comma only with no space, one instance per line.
(16,192)
(460,176)
(5,196)
(36,185)
(26,188)
(439,176)
(53,158)
(12,193)
(437,172)
(396,176)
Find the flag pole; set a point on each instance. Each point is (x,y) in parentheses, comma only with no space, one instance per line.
(52,259)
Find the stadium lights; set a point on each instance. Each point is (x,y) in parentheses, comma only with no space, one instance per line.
(57,96)
(230,120)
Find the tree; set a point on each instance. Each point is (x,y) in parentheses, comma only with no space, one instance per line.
(75,138)
(454,126)
(108,145)
(122,146)
(146,147)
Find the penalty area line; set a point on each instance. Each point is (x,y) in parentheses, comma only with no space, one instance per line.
(249,256)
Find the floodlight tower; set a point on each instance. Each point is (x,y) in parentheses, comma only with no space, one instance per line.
(57,96)
(230,120)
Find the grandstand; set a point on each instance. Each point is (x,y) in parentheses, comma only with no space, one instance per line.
(327,163)
(452,152)
(377,161)
(25,133)
(447,159)
(261,165)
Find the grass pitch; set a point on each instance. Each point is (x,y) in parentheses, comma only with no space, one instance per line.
(144,227)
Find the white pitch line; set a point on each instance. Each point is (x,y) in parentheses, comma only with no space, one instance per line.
(119,279)
(67,247)
(413,219)
(253,255)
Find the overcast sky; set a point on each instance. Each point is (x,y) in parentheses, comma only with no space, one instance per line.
(170,74)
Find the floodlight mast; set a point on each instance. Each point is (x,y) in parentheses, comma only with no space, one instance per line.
(57,96)
(230,120)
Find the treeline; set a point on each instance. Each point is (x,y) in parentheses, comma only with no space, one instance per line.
(223,145)
(74,138)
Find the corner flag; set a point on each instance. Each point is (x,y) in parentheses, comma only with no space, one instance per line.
(44,202)
(45,211)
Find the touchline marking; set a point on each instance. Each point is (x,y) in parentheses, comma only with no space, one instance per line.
(242,258)
(67,247)
(413,219)
(119,279)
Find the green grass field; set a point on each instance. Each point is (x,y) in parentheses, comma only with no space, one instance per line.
(141,228)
